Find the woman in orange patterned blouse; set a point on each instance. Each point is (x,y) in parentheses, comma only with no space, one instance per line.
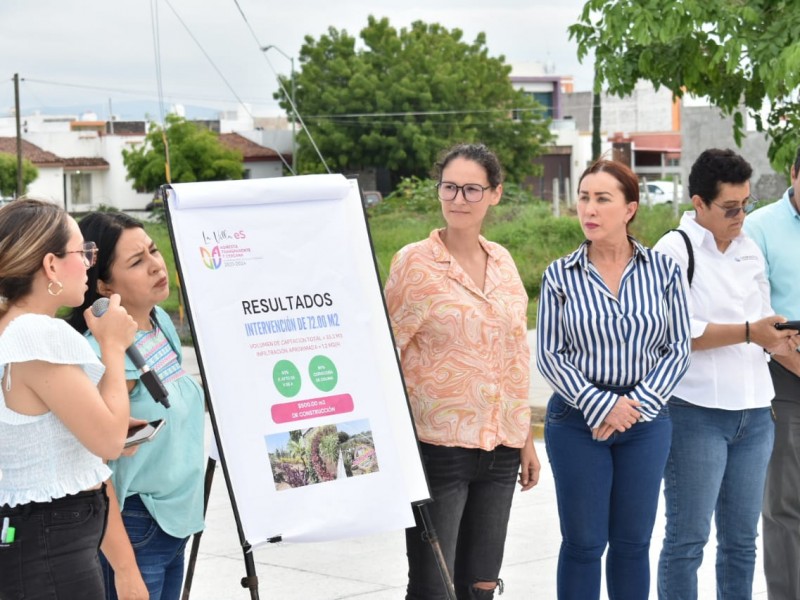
(458,310)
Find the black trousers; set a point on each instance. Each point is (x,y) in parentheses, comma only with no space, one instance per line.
(54,554)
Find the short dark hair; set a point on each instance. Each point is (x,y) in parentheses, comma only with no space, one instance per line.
(713,167)
(104,229)
(478,153)
(626,178)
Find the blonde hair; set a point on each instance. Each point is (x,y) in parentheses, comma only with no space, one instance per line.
(29,230)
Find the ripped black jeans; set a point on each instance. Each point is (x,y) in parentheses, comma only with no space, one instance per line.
(472,491)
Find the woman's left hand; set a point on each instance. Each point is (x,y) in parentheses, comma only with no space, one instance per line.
(132,422)
(529,465)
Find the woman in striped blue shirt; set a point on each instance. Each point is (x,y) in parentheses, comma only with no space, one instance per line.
(613,341)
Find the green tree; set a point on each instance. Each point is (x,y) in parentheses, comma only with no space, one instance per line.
(8,174)
(732,51)
(403,96)
(195,154)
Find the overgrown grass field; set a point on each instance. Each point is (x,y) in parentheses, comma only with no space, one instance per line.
(521,224)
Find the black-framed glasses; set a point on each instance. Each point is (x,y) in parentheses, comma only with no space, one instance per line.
(731,213)
(472,192)
(88,254)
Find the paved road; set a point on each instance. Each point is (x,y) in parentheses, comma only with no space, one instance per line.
(374,567)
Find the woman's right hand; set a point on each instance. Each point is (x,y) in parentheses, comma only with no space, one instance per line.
(622,417)
(763,333)
(130,585)
(115,328)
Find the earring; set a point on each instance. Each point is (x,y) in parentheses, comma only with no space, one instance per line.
(50,288)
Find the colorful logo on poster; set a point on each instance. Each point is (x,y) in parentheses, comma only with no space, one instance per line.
(211,259)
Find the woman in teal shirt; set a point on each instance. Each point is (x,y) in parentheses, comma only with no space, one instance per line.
(160,486)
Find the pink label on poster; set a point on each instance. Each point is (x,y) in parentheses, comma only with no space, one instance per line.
(312,408)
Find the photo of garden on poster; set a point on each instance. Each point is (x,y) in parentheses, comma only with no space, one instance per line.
(296,352)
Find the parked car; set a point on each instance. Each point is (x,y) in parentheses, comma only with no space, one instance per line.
(660,192)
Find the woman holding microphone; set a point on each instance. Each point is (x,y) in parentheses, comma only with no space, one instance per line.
(56,426)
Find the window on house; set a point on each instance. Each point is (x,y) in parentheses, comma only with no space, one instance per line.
(80,186)
(545,99)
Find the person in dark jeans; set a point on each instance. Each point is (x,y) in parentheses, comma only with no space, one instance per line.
(722,427)
(458,311)
(612,341)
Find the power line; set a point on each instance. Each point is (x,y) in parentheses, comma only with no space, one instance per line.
(426,113)
(283,89)
(130,92)
(203,50)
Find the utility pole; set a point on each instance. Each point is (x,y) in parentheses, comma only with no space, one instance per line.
(20,188)
(293,112)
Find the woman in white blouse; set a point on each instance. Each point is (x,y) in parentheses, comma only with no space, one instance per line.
(722,425)
(56,426)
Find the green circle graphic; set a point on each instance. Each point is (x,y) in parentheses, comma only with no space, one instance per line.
(286,377)
(323,373)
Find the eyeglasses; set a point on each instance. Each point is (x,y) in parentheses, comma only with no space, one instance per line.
(472,192)
(88,254)
(730,213)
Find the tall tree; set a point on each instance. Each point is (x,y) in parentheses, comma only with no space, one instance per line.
(733,52)
(403,96)
(195,154)
(8,174)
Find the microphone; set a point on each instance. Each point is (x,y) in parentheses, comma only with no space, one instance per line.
(149,378)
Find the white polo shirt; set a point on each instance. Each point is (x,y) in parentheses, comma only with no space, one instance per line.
(727,287)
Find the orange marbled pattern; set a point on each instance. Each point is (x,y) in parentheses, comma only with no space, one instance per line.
(464,351)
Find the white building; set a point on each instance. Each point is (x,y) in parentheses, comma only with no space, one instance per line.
(80,160)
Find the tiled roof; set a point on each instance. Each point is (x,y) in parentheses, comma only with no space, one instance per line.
(39,157)
(86,162)
(250,150)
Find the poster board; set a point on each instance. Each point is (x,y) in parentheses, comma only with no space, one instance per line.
(296,351)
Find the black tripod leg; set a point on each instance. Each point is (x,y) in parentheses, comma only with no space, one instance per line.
(187,584)
(430,534)
(251,580)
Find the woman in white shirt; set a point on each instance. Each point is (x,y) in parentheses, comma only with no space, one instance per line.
(56,426)
(722,427)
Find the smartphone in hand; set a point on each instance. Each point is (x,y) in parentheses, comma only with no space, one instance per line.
(138,434)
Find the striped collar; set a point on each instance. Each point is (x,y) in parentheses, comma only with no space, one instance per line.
(581,255)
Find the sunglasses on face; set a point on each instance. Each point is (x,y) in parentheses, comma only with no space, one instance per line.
(732,213)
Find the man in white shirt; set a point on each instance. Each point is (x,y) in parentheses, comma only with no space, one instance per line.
(722,425)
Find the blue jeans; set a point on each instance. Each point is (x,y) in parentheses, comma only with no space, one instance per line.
(158,554)
(717,465)
(607,494)
(472,491)
(54,554)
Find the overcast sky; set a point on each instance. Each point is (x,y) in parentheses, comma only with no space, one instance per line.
(79,54)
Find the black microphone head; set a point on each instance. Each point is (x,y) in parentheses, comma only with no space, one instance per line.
(100,306)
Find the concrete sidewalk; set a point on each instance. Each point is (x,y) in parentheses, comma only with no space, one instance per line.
(374,567)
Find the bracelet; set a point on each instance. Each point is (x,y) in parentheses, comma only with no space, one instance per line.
(747,332)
